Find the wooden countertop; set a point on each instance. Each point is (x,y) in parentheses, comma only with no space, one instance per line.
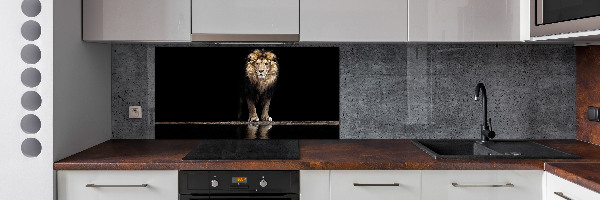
(581,173)
(331,155)
(314,155)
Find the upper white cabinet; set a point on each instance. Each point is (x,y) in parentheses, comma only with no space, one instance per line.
(468,20)
(136,20)
(354,20)
(482,184)
(244,20)
(307,20)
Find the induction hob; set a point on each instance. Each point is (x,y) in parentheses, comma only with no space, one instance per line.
(245,150)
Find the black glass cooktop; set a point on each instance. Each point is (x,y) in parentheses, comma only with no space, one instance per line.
(245,150)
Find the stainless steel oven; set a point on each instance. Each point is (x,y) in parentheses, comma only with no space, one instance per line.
(553,17)
(235,185)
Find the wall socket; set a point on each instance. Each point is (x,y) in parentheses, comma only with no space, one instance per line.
(135,112)
(593,114)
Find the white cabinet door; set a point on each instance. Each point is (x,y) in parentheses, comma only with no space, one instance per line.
(117,185)
(561,189)
(136,20)
(379,185)
(314,184)
(482,184)
(243,17)
(354,20)
(468,20)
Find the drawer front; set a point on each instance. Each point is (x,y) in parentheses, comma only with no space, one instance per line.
(566,189)
(408,185)
(161,185)
(482,184)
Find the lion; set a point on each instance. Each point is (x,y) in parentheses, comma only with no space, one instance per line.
(262,71)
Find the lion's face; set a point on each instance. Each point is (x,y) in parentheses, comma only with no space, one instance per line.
(262,67)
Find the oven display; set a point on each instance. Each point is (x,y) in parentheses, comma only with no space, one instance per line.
(239,180)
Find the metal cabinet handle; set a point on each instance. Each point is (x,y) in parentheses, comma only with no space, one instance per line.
(361,184)
(94,185)
(560,194)
(505,185)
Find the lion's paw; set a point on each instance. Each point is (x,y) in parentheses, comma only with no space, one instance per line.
(253,119)
(267,119)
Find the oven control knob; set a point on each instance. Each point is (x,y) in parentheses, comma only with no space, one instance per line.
(263,183)
(214,183)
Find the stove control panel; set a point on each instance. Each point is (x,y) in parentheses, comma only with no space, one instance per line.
(217,182)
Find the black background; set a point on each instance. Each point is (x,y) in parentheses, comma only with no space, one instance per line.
(203,84)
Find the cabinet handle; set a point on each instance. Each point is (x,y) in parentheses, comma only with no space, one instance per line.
(505,185)
(361,184)
(94,185)
(560,194)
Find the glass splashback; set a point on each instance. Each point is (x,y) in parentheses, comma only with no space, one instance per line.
(221,92)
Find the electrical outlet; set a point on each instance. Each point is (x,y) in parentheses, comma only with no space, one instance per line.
(135,112)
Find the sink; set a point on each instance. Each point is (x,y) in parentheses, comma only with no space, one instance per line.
(493,149)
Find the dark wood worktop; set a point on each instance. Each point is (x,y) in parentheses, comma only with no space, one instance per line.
(581,173)
(314,155)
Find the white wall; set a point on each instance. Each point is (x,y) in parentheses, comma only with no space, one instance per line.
(82,84)
(75,92)
(24,177)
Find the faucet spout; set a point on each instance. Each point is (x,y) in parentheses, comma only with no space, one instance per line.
(486,133)
(481,88)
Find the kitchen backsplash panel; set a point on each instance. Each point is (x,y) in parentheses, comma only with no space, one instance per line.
(247,93)
(399,91)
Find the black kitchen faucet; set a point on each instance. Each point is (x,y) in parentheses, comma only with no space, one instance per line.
(486,130)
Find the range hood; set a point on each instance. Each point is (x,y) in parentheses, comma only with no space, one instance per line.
(246,20)
(214,37)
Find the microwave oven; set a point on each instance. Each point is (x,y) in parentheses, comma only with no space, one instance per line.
(564,17)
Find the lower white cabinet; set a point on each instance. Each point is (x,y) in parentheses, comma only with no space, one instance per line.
(561,189)
(482,184)
(117,185)
(375,185)
(314,184)
(340,185)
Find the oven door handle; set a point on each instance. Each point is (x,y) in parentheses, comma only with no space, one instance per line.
(250,197)
(245,196)
(193,197)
